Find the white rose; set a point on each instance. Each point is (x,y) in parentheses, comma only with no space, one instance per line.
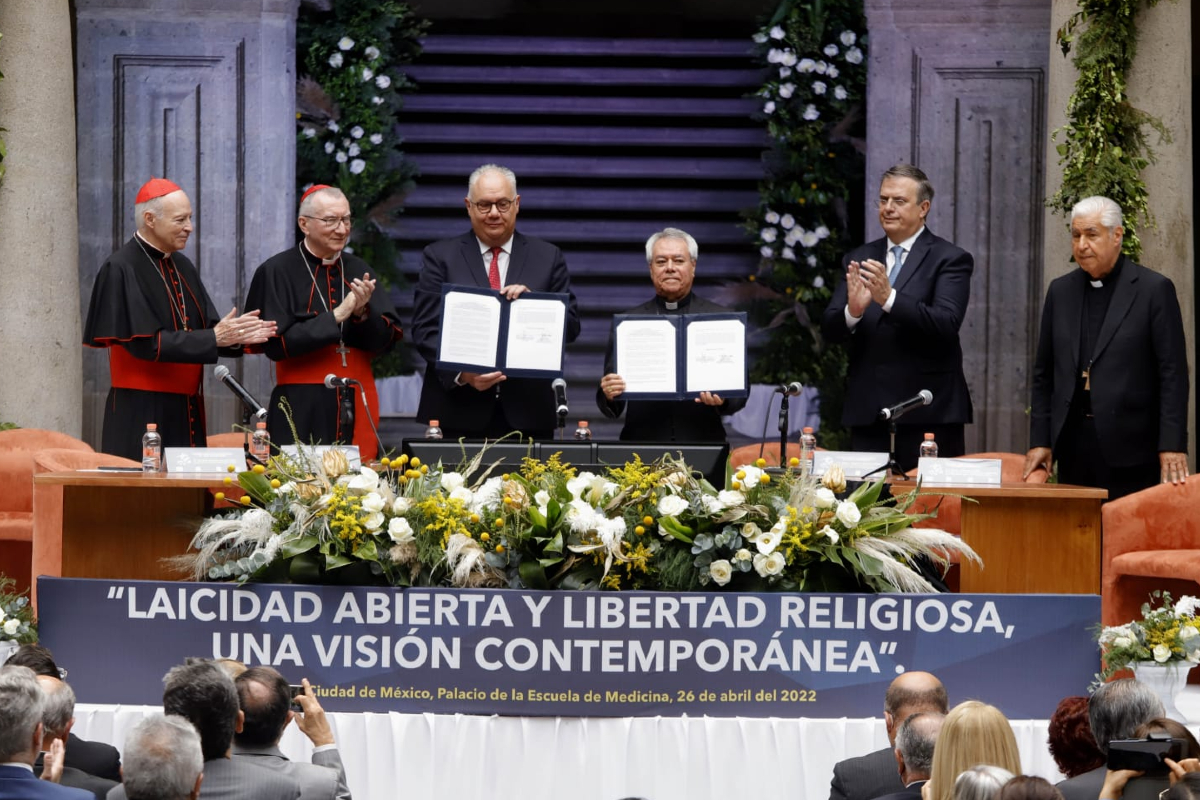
(840,93)
(771,217)
(818,281)
(824,498)
(818,87)
(760,565)
(345,43)
(854,55)
(401,506)
(672,505)
(376,138)
(377,100)
(340,157)
(399,530)
(774,564)
(372,52)
(785,72)
(751,532)
(1162,653)
(811,114)
(1187,632)
(788,254)
(383,81)
(329,147)
(367,480)
(335,60)
(712,504)
(372,503)
(12,624)
(731,498)
(769,107)
(333,126)
(462,493)
(759,38)
(451,481)
(774,56)
(848,513)
(310,133)
(830,50)
(766,251)
(787,221)
(354,150)
(742,555)
(789,58)
(720,571)
(373,522)
(786,90)
(768,234)
(367,74)
(357,166)
(847,38)
(806,65)
(831,71)
(821,68)
(1122,641)
(777,32)
(357,132)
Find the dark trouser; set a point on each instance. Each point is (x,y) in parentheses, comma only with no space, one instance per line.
(950,440)
(1081,462)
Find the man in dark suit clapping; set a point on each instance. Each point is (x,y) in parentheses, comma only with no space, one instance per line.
(493,254)
(899,310)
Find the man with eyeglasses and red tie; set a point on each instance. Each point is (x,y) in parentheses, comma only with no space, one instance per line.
(331,319)
(492,254)
(899,310)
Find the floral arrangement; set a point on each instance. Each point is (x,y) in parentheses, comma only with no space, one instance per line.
(1168,633)
(812,103)
(16,615)
(547,525)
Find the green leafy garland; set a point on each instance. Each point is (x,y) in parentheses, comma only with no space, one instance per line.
(348,97)
(813,100)
(1104,147)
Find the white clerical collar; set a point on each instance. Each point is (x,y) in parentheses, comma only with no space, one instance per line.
(671,305)
(908,243)
(1097,284)
(325,262)
(487,248)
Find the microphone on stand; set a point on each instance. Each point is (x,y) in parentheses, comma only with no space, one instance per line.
(253,407)
(792,389)
(560,403)
(333,381)
(923,398)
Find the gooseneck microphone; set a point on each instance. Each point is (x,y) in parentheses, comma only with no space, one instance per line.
(923,398)
(253,406)
(334,382)
(792,389)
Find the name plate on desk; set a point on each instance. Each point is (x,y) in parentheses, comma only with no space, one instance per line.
(857,466)
(959,471)
(204,459)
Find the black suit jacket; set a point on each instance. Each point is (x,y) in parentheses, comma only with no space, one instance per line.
(94,758)
(1139,372)
(915,346)
(910,792)
(668,420)
(866,777)
(527,403)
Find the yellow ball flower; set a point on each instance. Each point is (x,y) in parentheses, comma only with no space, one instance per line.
(793,462)
(387,462)
(231,468)
(737,484)
(499,548)
(275,484)
(474,518)
(740,474)
(424,469)
(508,501)
(760,463)
(647,520)
(499,522)
(259,469)
(403,459)
(416,462)
(402,480)
(245,499)
(639,530)
(219,496)
(228,481)
(483,537)
(764,478)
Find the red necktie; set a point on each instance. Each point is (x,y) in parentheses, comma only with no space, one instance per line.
(494,269)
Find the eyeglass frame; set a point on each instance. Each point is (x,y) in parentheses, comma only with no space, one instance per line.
(332,223)
(485,206)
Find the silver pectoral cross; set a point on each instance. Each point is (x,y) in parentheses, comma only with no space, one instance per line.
(341,350)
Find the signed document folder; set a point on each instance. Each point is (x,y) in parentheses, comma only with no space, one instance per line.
(678,357)
(481,331)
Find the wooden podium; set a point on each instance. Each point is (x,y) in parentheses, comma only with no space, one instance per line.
(1034,538)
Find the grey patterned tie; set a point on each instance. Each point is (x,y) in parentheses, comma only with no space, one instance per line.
(897,252)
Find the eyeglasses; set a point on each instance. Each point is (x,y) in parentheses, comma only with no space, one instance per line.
(333,222)
(896,202)
(485,206)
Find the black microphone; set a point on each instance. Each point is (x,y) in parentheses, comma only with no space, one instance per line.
(333,381)
(792,389)
(923,398)
(253,406)
(560,397)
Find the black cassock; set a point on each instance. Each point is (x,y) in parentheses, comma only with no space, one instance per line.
(155,317)
(300,298)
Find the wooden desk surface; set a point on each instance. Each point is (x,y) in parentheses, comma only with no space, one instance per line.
(107,478)
(1061,491)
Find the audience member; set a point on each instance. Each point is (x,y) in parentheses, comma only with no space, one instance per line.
(232,666)
(914,753)
(870,776)
(981,782)
(1176,730)
(58,715)
(265,698)
(1070,736)
(21,703)
(1115,711)
(1185,787)
(94,758)
(1029,787)
(163,760)
(973,733)
(202,693)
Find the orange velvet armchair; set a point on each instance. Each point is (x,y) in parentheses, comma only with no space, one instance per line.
(1151,540)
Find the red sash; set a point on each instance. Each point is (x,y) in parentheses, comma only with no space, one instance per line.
(128,372)
(313,367)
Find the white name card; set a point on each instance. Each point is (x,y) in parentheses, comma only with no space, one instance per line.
(204,460)
(857,466)
(959,471)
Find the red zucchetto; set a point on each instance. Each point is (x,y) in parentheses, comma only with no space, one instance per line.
(155,187)
(316,187)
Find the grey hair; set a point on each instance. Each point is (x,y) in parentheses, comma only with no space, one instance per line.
(981,782)
(153,205)
(924,187)
(479,172)
(916,738)
(306,205)
(1109,212)
(21,702)
(672,233)
(59,706)
(161,759)
(1118,708)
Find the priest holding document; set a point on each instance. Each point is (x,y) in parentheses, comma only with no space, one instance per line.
(482,299)
(675,346)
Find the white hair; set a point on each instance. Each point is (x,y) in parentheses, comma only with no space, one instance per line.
(507,173)
(21,703)
(162,759)
(1109,212)
(153,205)
(672,233)
(306,205)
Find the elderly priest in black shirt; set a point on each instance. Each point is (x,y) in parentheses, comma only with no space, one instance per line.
(671,254)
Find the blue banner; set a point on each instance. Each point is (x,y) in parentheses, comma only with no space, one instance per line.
(567,653)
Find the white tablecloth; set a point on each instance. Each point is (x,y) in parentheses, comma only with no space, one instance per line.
(460,757)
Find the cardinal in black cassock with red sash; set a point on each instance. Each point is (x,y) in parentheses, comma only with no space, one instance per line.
(331,321)
(151,311)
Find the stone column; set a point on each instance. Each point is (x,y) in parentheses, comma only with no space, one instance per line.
(39,281)
(1160,83)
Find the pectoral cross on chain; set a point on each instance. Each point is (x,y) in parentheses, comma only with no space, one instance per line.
(341,350)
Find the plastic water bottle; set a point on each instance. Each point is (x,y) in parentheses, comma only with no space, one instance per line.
(151,449)
(583,433)
(929,447)
(433,431)
(808,449)
(260,443)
